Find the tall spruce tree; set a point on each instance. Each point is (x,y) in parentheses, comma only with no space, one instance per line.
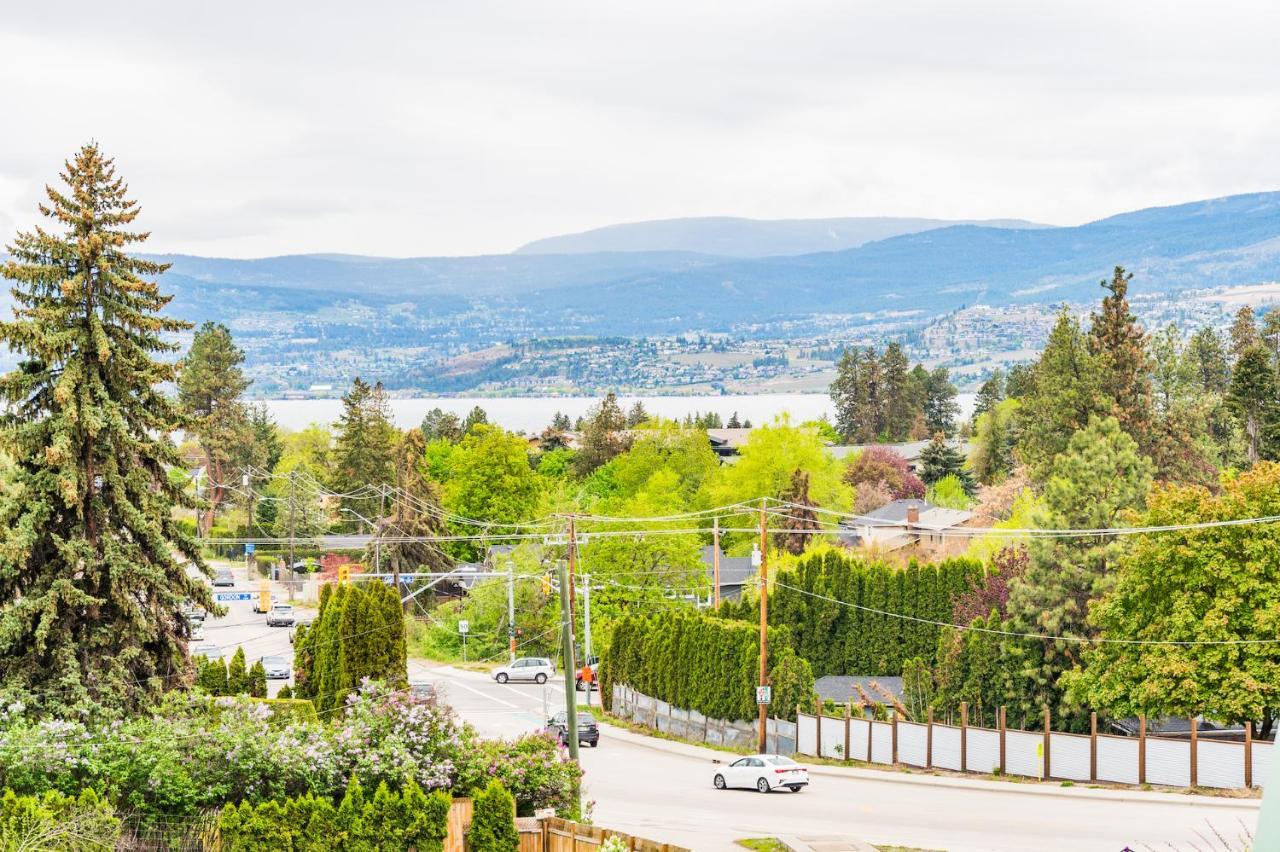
(210,387)
(93,568)
(800,516)
(1244,332)
(363,451)
(1254,396)
(414,512)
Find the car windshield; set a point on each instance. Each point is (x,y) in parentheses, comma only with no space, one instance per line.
(273,661)
(586,719)
(778,760)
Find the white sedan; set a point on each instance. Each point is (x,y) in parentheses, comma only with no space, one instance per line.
(763,772)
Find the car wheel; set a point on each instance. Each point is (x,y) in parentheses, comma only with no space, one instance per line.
(795,788)
(595,744)
(502,677)
(540,678)
(719,782)
(762,785)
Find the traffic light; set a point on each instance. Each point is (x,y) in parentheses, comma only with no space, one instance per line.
(344,573)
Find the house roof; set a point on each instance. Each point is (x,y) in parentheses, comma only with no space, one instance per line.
(735,571)
(840,687)
(895,515)
(728,438)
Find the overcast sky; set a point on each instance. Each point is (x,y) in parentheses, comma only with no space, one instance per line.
(426,128)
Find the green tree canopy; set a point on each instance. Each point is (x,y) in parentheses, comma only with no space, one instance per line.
(93,571)
(363,452)
(490,481)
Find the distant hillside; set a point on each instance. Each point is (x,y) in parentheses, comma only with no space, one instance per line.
(734,237)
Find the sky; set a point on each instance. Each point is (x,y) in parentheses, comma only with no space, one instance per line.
(428,128)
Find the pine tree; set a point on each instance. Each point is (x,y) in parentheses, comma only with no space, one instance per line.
(257,679)
(238,674)
(440,425)
(734,422)
(363,448)
(990,394)
(475,417)
(900,404)
(637,415)
(493,825)
(800,516)
(940,406)
(1244,332)
(415,512)
(92,572)
(211,676)
(210,387)
(1119,346)
(1255,398)
(602,437)
(939,459)
(1208,354)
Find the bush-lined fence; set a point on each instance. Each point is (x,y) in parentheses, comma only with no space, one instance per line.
(1046,754)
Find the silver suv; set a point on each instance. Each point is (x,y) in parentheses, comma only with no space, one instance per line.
(536,669)
(281,615)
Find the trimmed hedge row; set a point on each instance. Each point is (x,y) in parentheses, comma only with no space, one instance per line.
(838,639)
(703,663)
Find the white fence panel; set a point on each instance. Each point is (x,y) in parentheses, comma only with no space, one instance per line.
(1220,764)
(806,734)
(833,738)
(1022,753)
(913,743)
(983,752)
(1168,762)
(1261,763)
(1069,757)
(858,739)
(881,742)
(1118,759)
(946,747)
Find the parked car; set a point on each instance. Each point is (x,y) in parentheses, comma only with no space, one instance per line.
(588,730)
(281,615)
(224,577)
(278,668)
(197,630)
(536,669)
(298,622)
(422,689)
(207,650)
(763,772)
(588,673)
(193,612)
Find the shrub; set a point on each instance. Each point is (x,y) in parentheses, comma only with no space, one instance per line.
(237,674)
(258,680)
(56,822)
(493,822)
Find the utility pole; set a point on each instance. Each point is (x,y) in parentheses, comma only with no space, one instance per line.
(377,535)
(199,516)
(566,644)
(764,627)
(586,632)
(293,522)
(244,484)
(715,564)
(511,608)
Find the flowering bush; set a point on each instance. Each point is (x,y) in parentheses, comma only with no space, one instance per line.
(197,753)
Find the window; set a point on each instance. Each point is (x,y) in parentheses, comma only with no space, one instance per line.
(782,761)
(740,762)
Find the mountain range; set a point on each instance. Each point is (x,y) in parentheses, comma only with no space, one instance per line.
(668,287)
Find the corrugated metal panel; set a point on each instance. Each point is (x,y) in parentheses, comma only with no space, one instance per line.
(983,753)
(1022,753)
(946,747)
(858,739)
(1118,759)
(1069,757)
(1168,762)
(1220,764)
(881,742)
(912,743)
(833,738)
(806,734)
(1262,753)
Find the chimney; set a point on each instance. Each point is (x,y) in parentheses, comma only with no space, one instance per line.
(913,515)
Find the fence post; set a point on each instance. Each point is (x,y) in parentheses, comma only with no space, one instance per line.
(1001,715)
(818,702)
(964,736)
(848,711)
(1093,746)
(895,736)
(871,727)
(1194,762)
(928,742)
(1248,755)
(1047,742)
(1142,749)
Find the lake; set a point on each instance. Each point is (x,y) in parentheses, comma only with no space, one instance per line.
(533,414)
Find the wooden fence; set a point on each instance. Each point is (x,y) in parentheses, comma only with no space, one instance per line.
(548,834)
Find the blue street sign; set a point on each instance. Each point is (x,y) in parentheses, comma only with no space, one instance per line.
(250,548)
(223,597)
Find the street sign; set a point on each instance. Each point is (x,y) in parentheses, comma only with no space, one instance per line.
(464,626)
(764,694)
(224,597)
(250,548)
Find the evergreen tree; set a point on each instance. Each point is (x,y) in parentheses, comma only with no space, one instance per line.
(1119,347)
(734,423)
(475,417)
(856,395)
(257,680)
(939,459)
(1181,443)
(800,516)
(1064,393)
(900,401)
(1255,398)
(990,394)
(493,823)
(210,387)
(92,572)
(637,415)
(238,674)
(940,406)
(1270,334)
(561,423)
(1208,355)
(415,512)
(297,505)
(993,442)
(211,676)
(1244,332)
(1020,381)
(363,450)
(440,425)
(602,437)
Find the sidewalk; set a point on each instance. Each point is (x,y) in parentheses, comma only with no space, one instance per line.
(892,776)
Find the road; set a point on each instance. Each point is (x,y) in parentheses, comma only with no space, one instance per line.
(666,796)
(242,627)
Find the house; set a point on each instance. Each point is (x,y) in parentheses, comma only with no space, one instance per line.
(736,572)
(909,451)
(726,443)
(903,523)
(842,688)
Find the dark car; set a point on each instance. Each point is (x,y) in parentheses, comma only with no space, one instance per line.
(588,730)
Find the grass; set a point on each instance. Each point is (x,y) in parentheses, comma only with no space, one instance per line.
(763,844)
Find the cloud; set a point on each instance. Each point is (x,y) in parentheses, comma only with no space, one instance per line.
(449,128)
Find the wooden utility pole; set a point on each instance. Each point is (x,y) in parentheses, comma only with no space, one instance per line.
(764,626)
(715,564)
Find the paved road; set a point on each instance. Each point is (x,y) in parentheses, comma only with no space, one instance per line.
(668,796)
(242,627)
